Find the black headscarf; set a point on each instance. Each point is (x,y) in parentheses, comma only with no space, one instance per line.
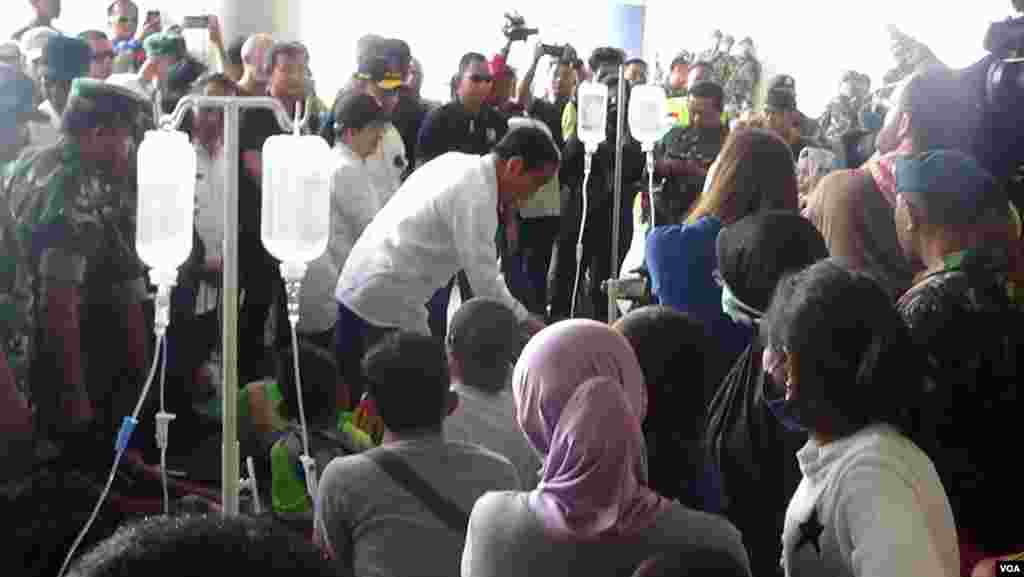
(756,252)
(754,455)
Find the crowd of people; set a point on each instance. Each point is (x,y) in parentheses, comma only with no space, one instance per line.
(821,379)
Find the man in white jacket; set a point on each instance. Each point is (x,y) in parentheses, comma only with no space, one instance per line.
(442,220)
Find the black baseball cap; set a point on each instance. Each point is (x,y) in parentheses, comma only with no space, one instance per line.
(357,110)
(782,82)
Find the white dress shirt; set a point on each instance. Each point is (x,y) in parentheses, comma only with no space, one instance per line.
(209,218)
(388,163)
(45,133)
(355,200)
(442,220)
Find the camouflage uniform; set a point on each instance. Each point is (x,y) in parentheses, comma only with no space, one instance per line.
(64,223)
(742,86)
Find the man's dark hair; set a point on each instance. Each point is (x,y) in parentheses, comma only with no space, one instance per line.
(635,61)
(215,78)
(407,377)
(115,3)
(857,365)
(941,114)
(91,35)
(533,145)
(285,48)
(319,381)
(468,59)
(680,60)
(203,545)
(605,56)
(234,51)
(485,338)
(708,89)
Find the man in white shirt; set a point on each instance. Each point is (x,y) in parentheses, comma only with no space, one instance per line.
(359,126)
(444,219)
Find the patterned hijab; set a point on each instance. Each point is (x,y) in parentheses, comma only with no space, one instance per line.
(580,398)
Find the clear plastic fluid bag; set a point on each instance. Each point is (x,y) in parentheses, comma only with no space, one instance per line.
(592,116)
(649,119)
(296,197)
(166,203)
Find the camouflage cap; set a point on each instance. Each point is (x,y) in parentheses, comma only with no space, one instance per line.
(162,44)
(94,103)
(66,58)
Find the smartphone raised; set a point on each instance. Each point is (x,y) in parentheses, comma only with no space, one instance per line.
(196,22)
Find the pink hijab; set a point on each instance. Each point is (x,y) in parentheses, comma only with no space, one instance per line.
(580,398)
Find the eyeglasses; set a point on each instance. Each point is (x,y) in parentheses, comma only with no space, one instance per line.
(101,56)
(127,20)
(480,78)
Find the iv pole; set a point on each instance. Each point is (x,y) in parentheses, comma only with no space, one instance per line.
(232,107)
(613,304)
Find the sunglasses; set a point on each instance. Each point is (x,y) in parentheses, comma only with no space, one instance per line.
(480,78)
(125,20)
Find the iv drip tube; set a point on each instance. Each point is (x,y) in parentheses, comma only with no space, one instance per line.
(123,436)
(650,186)
(293,274)
(587,163)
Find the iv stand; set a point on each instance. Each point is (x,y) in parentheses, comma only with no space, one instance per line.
(232,107)
(620,127)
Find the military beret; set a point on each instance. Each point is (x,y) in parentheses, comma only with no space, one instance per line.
(96,103)
(66,58)
(162,44)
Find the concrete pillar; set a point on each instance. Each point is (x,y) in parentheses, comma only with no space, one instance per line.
(626,26)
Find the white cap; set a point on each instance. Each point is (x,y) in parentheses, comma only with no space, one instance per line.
(34,41)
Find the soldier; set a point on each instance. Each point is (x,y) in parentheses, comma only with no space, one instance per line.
(843,112)
(16,110)
(724,62)
(742,85)
(716,45)
(810,131)
(685,154)
(73,285)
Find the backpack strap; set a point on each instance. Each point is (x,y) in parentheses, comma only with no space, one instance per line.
(401,473)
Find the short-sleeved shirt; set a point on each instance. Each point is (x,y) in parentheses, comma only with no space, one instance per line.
(370,519)
(451,129)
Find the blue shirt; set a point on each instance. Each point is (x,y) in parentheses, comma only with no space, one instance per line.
(681,259)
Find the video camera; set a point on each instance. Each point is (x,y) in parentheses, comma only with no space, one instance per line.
(515,28)
(564,53)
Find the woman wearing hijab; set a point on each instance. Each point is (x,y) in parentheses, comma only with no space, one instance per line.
(751,452)
(870,501)
(755,172)
(682,369)
(580,399)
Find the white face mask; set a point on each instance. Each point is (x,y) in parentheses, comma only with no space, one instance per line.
(737,310)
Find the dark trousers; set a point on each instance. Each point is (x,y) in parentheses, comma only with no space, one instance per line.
(353,337)
(437,306)
(537,237)
(191,339)
(597,248)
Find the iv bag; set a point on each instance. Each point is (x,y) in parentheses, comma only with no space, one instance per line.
(166,203)
(648,114)
(592,113)
(296,197)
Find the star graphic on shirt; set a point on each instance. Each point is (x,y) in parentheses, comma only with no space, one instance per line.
(810,532)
